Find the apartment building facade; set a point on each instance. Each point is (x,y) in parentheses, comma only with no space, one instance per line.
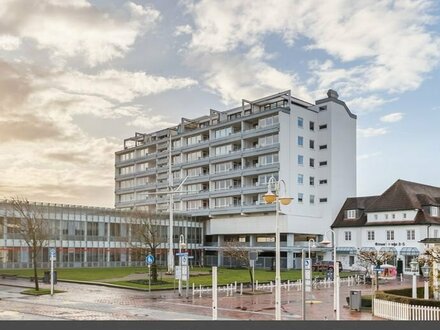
(226,159)
(92,237)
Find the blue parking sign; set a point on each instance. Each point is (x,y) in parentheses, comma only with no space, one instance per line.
(149,259)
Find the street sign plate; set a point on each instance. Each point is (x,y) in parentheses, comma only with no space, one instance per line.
(52,254)
(307,263)
(149,259)
(253,255)
(308,274)
(184,260)
(182,254)
(178,275)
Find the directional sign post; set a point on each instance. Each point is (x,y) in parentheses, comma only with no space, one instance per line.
(149,260)
(53,255)
(308,274)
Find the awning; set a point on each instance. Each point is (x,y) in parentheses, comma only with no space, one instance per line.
(390,249)
(367,249)
(409,251)
(346,249)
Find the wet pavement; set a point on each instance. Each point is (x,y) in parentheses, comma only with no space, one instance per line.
(92,302)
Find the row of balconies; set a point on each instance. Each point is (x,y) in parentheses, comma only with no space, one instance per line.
(213,141)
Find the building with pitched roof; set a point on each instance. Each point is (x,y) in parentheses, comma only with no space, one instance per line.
(400,221)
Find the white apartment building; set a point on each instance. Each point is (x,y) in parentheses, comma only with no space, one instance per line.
(401,221)
(228,158)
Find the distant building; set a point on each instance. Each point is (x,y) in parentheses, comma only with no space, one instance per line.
(229,157)
(91,237)
(401,221)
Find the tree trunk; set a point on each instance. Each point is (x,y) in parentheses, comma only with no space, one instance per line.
(252,278)
(154,267)
(34,260)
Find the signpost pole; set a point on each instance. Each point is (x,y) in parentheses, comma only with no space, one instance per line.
(214,293)
(149,278)
(51,275)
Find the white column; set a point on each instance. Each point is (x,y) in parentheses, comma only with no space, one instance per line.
(414,286)
(277,264)
(214,293)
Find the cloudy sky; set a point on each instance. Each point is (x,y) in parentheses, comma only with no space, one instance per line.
(78,76)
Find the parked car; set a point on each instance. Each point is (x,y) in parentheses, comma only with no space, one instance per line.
(325,265)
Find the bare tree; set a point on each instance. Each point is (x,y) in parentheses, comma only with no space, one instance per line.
(240,255)
(146,235)
(33,228)
(374,258)
(433,254)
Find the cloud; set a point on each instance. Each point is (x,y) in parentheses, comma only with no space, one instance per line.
(368,156)
(371,132)
(76,29)
(182,30)
(367,104)
(8,42)
(28,128)
(358,40)
(392,117)
(152,122)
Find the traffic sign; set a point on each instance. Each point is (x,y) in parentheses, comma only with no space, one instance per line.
(184,260)
(53,253)
(182,254)
(307,263)
(181,273)
(149,259)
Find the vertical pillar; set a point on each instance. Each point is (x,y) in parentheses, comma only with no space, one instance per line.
(290,255)
(214,293)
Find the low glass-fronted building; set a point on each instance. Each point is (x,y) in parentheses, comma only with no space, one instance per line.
(93,237)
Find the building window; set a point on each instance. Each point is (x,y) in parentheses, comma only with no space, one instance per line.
(312,126)
(300,160)
(434,211)
(393,216)
(300,141)
(323,200)
(312,199)
(435,233)
(347,235)
(386,216)
(323,181)
(323,126)
(351,214)
(312,144)
(322,108)
(411,235)
(300,197)
(404,215)
(311,162)
(370,235)
(300,122)
(323,147)
(390,235)
(312,181)
(375,217)
(300,179)
(323,163)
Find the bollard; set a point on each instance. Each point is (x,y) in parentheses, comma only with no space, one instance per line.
(288,285)
(256,284)
(193,289)
(235,286)
(241,289)
(271,288)
(200,291)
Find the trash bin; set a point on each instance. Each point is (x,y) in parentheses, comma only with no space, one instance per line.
(355,300)
(46,278)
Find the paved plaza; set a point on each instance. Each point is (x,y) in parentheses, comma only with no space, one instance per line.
(93,302)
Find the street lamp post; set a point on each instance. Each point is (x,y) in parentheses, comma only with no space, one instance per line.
(311,246)
(335,273)
(414,269)
(425,270)
(182,245)
(270,198)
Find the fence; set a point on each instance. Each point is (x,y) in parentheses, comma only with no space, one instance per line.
(398,311)
(228,262)
(231,289)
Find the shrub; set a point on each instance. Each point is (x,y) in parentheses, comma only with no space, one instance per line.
(404,296)
(366,301)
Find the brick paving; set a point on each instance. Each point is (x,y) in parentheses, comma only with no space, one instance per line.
(91,302)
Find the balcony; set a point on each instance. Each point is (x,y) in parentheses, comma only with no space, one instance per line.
(261,130)
(253,151)
(258,169)
(199,161)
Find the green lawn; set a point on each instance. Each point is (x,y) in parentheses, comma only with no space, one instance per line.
(225,275)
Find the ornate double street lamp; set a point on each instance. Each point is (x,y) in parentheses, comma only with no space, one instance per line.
(271,198)
(311,246)
(425,271)
(335,273)
(414,264)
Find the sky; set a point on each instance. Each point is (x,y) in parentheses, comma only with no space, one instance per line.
(79,76)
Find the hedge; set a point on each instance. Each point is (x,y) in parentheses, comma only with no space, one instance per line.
(404,296)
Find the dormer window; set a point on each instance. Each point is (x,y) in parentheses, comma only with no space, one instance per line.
(434,211)
(351,214)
